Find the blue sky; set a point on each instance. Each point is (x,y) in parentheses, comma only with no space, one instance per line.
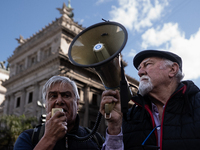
(172,25)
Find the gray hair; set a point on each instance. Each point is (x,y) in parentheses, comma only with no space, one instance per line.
(179,75)
(59,79)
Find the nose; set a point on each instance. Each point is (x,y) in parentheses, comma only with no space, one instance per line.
(141,72)
(59,100)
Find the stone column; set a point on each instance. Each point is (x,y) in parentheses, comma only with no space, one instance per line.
(23,101)
(26,63)
(35,98)
(11,104)
(38,55)
(86,99)
(6,108)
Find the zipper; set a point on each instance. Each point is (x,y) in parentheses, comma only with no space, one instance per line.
(152,119)
(161,128)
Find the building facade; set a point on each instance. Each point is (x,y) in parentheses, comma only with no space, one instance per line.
(42,56)
(4,75)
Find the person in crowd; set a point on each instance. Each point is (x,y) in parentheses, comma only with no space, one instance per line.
(58,92)
(166,110)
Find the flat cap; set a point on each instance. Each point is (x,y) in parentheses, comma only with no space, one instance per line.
(156,53)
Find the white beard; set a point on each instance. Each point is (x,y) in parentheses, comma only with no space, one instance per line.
(145,86)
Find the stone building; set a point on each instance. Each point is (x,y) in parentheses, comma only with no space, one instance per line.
(40,57)
(4,75)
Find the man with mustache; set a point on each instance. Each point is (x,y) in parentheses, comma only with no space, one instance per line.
(58,92)
(166,113)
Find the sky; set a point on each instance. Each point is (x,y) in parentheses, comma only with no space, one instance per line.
(171,25)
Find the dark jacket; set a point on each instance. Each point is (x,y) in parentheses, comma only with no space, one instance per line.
(180,126)
(27,140)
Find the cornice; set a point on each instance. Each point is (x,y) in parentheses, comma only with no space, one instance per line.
(4,71)
(30,70)
(85,80)
(38,37)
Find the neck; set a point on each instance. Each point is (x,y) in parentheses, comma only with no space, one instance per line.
(72,123)
(161,95)
(69,128)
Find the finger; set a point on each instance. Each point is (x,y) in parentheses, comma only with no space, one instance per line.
(117,95)
(63,118)
(64,123)
(48,116)
(108,100)
(59,118)
(65,128)
(109,93)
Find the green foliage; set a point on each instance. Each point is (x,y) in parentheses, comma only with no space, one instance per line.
(11,126)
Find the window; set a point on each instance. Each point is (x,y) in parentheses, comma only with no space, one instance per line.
(20,66)
(32,59)
(46,52)
(94,99)
(30,97)
(18,102)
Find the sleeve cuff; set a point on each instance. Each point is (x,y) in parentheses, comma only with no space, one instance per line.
(114,141)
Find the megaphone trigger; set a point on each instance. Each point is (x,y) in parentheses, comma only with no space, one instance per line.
(108,108)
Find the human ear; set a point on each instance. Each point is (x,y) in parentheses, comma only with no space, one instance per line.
(173,70)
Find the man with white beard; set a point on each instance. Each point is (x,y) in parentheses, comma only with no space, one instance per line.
(145,85)
(166,114)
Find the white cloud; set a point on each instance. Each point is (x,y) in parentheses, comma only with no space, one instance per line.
(174,40)
(81,21)
(102,1)
(158,36)
(132,53)
(136,15)
(189,50)
(142,15)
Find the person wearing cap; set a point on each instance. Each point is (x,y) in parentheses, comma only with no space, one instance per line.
(166,113)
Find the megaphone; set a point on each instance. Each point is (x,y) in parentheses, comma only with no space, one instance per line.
(99,47)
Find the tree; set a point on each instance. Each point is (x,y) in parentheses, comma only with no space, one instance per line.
(11,126)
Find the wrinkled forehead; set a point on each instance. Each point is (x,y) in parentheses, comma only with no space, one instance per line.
(153,59)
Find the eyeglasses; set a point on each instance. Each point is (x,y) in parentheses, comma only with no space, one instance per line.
(150,146)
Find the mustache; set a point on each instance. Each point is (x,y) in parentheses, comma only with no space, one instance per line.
(144,77)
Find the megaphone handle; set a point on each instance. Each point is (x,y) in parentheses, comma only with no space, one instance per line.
(108,109)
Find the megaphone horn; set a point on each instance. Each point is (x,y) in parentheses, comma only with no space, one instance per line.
(99,47)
